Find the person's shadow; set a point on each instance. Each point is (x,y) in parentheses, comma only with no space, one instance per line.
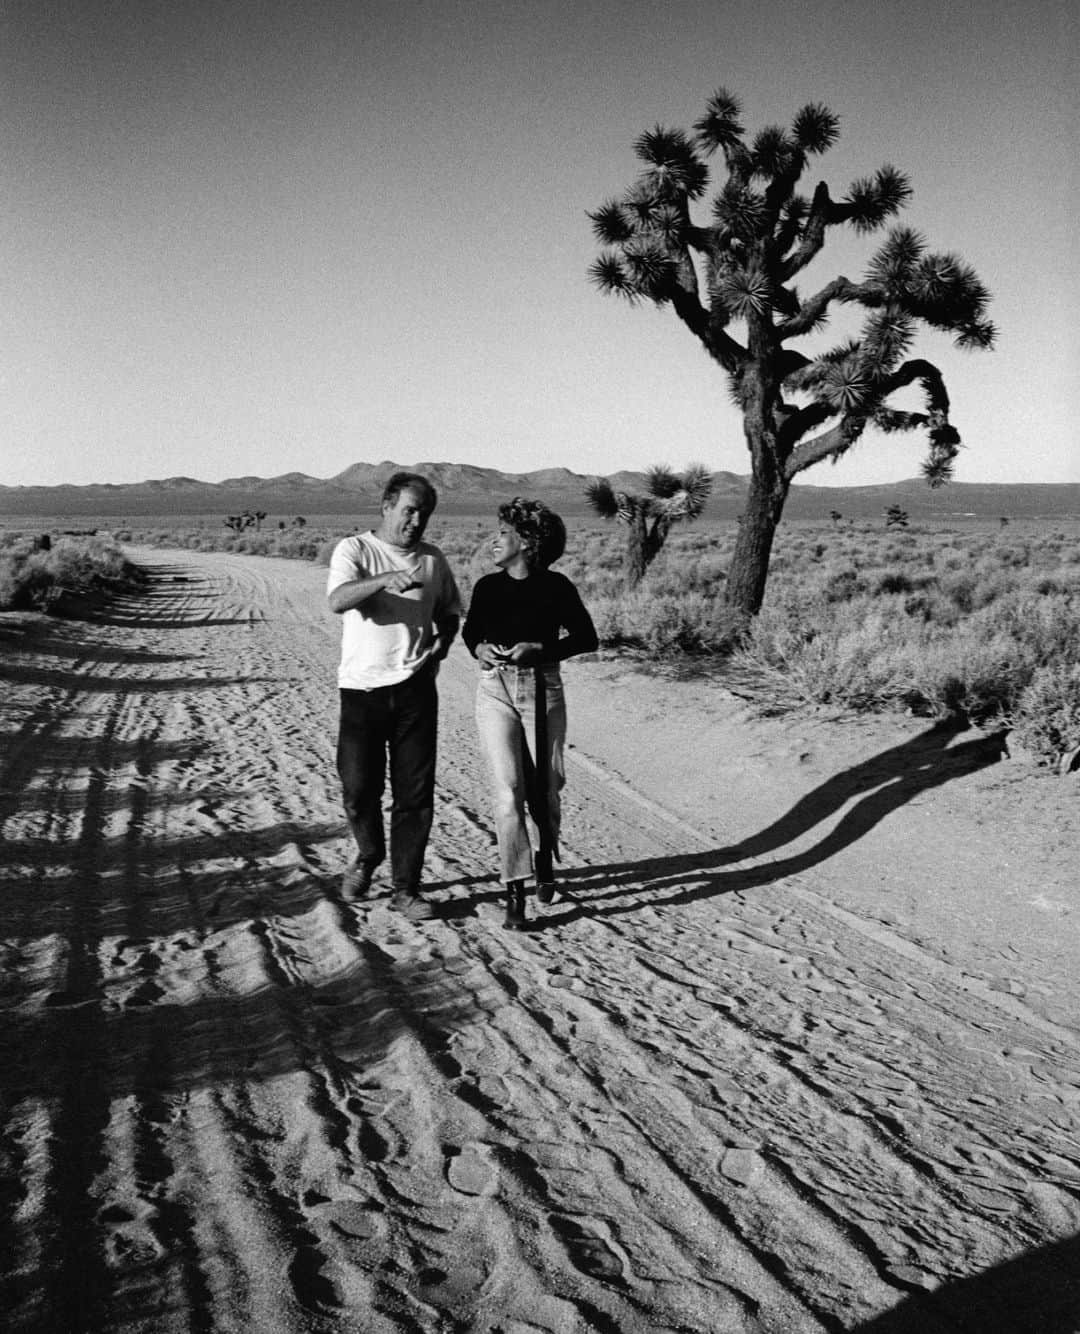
(1036,1293)
(889,780)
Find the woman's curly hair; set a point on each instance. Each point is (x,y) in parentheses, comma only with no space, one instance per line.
(542,532)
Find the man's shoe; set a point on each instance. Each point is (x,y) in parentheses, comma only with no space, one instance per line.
(356,882)
(545,891)
(412,904)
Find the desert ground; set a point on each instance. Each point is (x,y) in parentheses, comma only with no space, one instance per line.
(797,1047)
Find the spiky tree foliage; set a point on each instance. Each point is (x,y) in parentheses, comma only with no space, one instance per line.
(670,497)
(739,269)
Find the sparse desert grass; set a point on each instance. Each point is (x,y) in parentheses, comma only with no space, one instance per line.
(958,625)
(979,622)
(31,576)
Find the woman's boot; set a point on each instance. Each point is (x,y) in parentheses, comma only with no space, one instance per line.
(545,876)
(515,905)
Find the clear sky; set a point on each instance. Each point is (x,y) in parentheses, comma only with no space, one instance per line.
(248,237)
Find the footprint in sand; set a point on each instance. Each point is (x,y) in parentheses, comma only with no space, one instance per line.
(588,1251)
(494,1090)
(354,1218)
(453,1288)
(472,1170)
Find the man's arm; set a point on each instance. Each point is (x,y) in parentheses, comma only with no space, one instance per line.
(348,596)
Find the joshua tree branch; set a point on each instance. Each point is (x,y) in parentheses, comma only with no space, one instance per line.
(937,396)
(815,307)
(800,420)
(830,444)
(719,345)
(823,213)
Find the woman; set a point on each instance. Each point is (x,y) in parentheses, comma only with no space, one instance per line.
(522,622)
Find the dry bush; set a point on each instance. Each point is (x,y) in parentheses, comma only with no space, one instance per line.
(31,577)
(1046,716)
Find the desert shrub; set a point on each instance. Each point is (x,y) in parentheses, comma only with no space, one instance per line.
(1014,557)
(662,623)
(959,586)
(11,564)
(797,655)
(966,674)
(894,581)
(325,549)
(297,544)
(1046,716)
(843,586)
(1044,630)
(32,577)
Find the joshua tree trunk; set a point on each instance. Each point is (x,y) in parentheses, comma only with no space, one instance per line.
(749,569)
(637,560)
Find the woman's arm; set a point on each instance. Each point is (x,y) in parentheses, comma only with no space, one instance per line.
(476,631)
(580,634)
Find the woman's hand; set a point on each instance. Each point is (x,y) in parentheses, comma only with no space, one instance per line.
(525,654)
(489,655)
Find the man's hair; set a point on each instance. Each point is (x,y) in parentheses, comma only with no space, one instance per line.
(409,481)
(542,532)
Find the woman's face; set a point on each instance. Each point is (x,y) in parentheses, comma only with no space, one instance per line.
(506,545)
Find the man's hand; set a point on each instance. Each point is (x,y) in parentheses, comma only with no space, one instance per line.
(356,592)
(399,581)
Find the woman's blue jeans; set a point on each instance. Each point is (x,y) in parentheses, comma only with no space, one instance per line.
(393,725)
(527,778)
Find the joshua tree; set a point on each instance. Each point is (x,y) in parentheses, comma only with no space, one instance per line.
(648,519)
(739,267)
(836,516)
(895,517)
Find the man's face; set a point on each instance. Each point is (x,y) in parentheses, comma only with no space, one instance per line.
(404,521)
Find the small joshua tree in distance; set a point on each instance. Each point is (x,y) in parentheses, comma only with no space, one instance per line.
(896,517)
(648,518)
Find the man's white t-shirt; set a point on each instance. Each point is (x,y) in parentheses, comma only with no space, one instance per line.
(391,636)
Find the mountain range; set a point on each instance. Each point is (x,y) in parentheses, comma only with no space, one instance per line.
(465,489)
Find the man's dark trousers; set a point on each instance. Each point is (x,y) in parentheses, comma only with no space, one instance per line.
(396,723)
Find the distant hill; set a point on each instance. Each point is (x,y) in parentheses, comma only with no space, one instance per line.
(466,489)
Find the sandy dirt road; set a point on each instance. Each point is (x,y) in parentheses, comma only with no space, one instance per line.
(797,1061)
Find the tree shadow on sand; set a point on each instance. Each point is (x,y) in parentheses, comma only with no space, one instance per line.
(1035,1293)
(258,1023)
(890,780)
(70,646)
(29,675)
(141,892)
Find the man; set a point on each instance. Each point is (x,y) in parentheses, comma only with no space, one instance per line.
(400,611)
